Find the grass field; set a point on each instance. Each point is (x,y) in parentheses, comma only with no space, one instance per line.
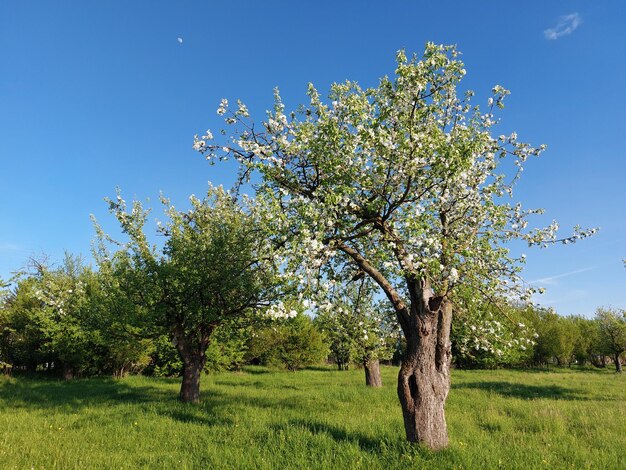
(312,419)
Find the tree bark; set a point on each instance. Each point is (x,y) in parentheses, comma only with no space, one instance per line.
(190,387)
(372,373)
(193,355)
(618,364)
(424,377)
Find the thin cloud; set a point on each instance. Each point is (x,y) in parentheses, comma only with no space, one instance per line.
(10,247)
(566,25)
(550,281)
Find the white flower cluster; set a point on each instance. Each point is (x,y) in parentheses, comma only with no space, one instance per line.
(221,109)
(278,311)
(242,110)
(58,295)
(527,294)
(547,236)
(492,337)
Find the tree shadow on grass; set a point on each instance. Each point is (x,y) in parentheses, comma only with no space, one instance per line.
(338,434)
(200,417)
(258,385)
(323,368)
(73,396)
(525,392)
(557,370)
(216,407)
(254,370)
(397,448)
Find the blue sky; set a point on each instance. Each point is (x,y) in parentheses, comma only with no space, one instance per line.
(95,95)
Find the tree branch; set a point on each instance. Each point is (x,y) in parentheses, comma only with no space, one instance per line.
(399,306)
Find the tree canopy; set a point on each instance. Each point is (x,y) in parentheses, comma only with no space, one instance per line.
(403,182)
(215,266)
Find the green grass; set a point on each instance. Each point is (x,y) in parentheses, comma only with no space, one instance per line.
(312,419)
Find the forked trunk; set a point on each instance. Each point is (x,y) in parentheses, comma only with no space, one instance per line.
(618,364)
(424,378)
(372,373)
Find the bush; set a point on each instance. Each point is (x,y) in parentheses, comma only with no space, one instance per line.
(228,347)
(292,344)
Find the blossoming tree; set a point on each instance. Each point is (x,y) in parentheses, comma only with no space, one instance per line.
(63,295)
(401,182)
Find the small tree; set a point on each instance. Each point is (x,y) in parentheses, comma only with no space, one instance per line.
(358,329)
(585,344)
(4,294)
(64,301)
(400,182)
(73,319)
(215,265)
(340,334)
(612,333)
(556,337)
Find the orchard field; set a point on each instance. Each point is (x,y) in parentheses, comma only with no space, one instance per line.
(316,418)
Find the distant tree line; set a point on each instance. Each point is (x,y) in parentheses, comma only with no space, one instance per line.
(74,321)
(523,336)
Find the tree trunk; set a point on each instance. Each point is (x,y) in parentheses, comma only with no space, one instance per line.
(372,373)
(618,364)
(67,371)
(595,360)
(190,388)
(192,350)
(424,378)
